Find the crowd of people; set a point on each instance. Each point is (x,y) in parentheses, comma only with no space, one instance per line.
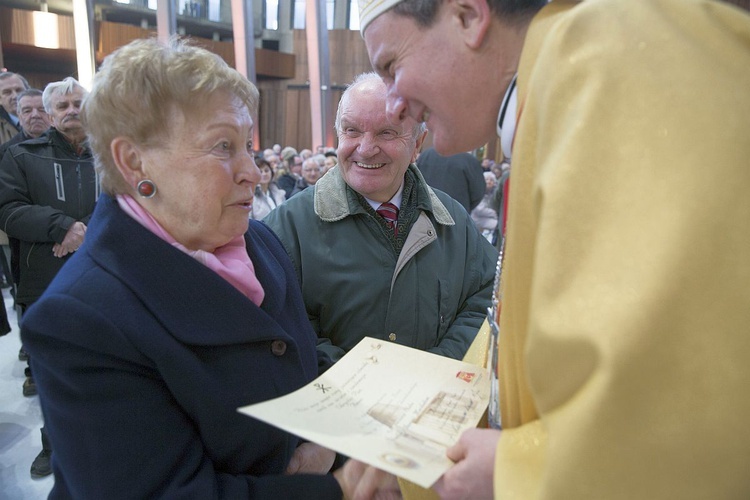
(48,189)
(165,268)
(182,208)
(290,173)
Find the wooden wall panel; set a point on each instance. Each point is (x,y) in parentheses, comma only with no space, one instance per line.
(272,63)
(348,58)
(112,36)
(347,52)
(268,63)
(39,65)
(297,124)
(272,108)
(24,27)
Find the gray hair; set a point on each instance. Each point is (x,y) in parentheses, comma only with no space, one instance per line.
(27,93)
(138,87)
(7,74)
(310,161)
(424,12)
(66,86)
(418,129)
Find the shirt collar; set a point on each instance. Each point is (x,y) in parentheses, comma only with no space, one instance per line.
(506,120)
(396,200)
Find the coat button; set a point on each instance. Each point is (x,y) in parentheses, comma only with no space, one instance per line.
(278,347)
(392,337)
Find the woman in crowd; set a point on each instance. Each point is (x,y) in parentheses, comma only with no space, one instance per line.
(267,194)
(331,160)
(177,310)
(485,214)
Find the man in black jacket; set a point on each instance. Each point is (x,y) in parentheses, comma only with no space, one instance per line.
(48,189)
(458,175)
(34,121)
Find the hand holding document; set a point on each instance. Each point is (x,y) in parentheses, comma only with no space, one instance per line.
(393,407)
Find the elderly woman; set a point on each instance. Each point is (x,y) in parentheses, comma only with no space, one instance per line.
(176,310)
(267,194)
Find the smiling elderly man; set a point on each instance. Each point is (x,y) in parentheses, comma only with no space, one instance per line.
(419,275)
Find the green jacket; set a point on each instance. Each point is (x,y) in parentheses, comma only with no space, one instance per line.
(433,295)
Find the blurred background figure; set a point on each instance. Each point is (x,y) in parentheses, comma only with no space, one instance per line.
(11,84)
(330,161)
(292,173)
(485,214)
(487,164)
(459,175)
(267,194)
(311,172)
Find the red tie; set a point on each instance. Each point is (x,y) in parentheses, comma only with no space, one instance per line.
(389,212)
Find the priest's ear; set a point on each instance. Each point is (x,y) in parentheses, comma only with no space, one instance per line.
(473,18)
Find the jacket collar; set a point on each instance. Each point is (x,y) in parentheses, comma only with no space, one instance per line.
(137,258)
(332,201)
(52,136)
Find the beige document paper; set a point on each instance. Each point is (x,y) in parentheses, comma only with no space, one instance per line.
(387,405)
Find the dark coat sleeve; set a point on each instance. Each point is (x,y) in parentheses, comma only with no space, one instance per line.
(20,216)
(133,428)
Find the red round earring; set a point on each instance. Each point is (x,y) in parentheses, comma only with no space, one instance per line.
(146,188)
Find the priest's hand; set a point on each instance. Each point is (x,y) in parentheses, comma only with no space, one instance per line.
(471,477)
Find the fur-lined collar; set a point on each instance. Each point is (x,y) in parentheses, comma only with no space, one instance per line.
(331,201)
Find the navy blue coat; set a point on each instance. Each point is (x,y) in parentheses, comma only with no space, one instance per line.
(141,357)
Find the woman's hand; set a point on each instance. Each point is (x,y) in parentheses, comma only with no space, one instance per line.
(360,481)
(310,458)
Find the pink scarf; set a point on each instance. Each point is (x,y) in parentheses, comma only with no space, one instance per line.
(231,261)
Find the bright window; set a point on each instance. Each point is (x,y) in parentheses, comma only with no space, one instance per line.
(330,5)
(299,9)
(298,15)
(353,15)
(272,14)
(214,10)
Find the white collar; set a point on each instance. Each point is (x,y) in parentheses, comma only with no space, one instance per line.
(396,200)
(506,120)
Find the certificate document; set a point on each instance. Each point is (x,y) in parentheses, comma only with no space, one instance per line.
(390,406)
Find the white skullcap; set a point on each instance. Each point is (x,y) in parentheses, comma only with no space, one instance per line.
(370,9)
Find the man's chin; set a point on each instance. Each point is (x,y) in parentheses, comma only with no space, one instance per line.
(447,143)
(448,146)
